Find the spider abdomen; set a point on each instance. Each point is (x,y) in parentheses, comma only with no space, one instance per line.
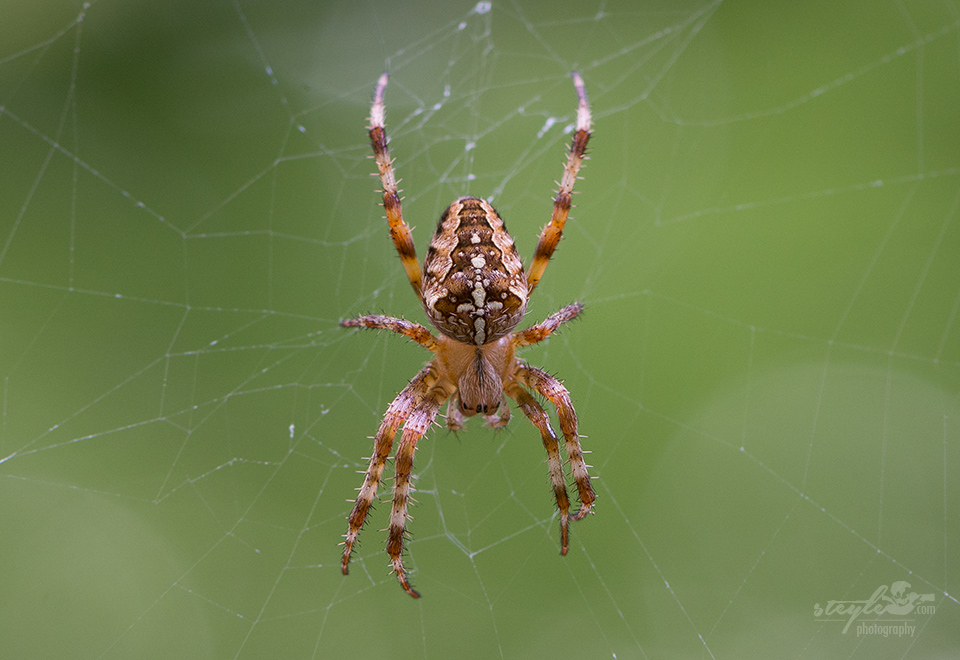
(474,289)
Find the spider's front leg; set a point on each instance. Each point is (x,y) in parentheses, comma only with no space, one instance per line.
(538,417)
(551,388)
(417,424)
(400,409)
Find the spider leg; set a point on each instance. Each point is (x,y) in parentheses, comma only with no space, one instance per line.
(551,234)
(414,428)
(552,389)
(538,417)
(539,332)
(414,331)
(399,230)
(397,411)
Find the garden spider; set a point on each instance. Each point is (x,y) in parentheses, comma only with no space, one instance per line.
(474,291)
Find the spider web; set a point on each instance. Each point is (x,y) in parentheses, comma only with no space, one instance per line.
(768,369)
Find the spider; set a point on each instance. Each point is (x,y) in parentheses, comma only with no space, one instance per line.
(474,291)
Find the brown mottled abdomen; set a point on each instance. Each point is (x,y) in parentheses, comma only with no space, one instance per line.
(474,289)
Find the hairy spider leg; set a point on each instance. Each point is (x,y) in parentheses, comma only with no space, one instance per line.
(550,236)
(552,389)
(399,230)
(417,424)
(538,417)
(398,410)
(540,331)
(414,331)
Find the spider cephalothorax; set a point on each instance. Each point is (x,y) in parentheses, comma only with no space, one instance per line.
(474,290)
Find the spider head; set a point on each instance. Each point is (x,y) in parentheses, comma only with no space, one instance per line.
(480,387)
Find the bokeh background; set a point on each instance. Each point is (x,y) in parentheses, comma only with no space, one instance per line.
(766,240)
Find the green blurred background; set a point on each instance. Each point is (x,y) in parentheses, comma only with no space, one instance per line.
(766,239)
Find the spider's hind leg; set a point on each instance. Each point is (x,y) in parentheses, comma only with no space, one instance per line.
(553,231)
(399,230)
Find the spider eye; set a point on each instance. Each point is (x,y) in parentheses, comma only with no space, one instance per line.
(479,409)
(485,409)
